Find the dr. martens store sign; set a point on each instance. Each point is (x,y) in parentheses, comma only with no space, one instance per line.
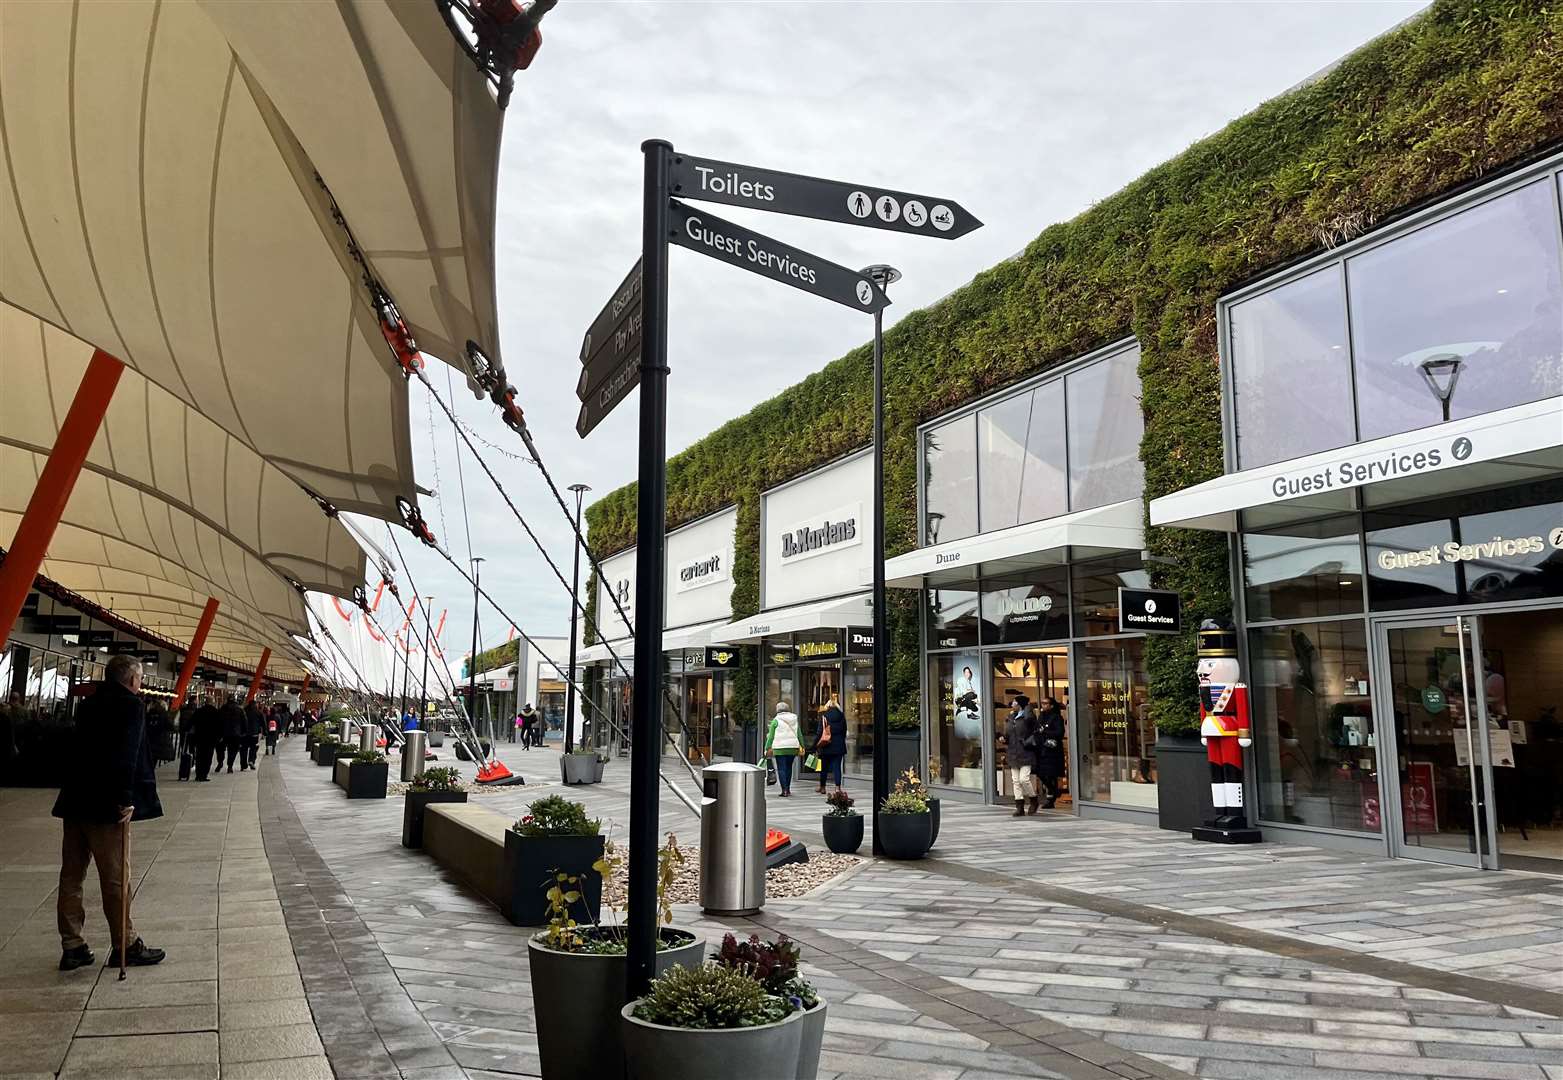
(811,539)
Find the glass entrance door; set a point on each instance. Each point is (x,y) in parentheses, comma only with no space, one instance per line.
(699,707)
(1039,674)
(1475,704)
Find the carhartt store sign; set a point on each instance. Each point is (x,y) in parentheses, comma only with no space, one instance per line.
(699,574)
(705,571)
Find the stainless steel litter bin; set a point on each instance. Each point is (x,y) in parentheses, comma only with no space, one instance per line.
(412,755)
(732,839)
(366,737)
(344,731)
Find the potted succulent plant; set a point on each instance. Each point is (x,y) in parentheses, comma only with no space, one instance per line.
(367,775)
(774,965)
(842,825)
(904,822)
(554,837)
(699,1023)
(578,969)
(437,785)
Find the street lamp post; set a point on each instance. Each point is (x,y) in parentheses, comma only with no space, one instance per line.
(575,609)
(883,276)
(1441,373)
(472,662)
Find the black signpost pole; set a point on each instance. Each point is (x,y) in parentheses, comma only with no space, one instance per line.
(651,497)
(882,276)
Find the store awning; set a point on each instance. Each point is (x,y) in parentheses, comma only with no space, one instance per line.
(689,637)
(1102,530)
(835,614)
(1497,449)
(624,648)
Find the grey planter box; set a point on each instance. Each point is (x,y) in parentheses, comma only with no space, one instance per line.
(339,772)
(905,751)
(654,1052)
(904,836)
(811,1039)
(580,768)
(1182,783)
(366,781)
(577,999)
(412,812)
(532,861)
(843,835)
(326,753)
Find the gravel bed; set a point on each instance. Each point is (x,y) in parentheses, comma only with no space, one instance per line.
(794,879)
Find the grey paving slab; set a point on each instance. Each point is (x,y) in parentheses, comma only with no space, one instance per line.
(148,1020)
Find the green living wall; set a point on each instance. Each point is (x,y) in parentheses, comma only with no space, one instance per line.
(1463,91)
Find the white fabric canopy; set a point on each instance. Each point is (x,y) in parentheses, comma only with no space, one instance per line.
(160,201)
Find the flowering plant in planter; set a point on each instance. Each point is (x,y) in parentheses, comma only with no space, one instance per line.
(710,996)
(840,804)
(441,778)
(557,816)
(773,964)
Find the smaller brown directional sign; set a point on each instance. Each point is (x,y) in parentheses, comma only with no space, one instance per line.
(603,398)
(614,334)
(759,254)
(829,200)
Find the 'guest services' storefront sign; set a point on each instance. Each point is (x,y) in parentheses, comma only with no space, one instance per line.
(1149,611)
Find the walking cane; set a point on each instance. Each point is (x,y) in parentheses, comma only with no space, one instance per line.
(124,900)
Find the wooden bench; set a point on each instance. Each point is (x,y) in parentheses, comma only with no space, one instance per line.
(469,841)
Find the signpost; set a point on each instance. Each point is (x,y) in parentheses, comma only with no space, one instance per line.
(626,347)
(829,200)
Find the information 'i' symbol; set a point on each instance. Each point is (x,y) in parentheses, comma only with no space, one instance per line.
(859,204)
(887,208)
(865,293)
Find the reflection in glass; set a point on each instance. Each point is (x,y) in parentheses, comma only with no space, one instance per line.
(950,481)
(1118,758)
(1105,427)
(1473,301)
(955,711)
(1032,606)
(1313,715)
(952,618)
(1290,370)
(1305,570)
(1021,445)
(859,707)
(1039,674)
(1096,584)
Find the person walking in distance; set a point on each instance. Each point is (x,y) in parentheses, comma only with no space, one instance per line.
(1020,742)
(232,714)
(831,747)
(517,727)
(206,733)
(783,743)
(254,724)
(110,784)
(276,723)
(531,727)
(1050,753)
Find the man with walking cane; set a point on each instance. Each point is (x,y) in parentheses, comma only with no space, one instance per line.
(110,784)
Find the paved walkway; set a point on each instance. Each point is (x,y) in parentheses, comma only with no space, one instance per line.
(228,1000)
(306,943)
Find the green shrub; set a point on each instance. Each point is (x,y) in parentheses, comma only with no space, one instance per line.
(319,731)
(440,778)
(709,997)
(368,757)
(557,816)
(904,802)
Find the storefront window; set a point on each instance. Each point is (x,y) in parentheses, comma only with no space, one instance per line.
(956,711)
(1026,607)
(950,480)
(1304,571)
(778,687)
(1095,587)
(1291,372)
(1105,428)
(952,618)
(1118,752)
(1021,443)
(858,704)
(1471,303)
(1313,719)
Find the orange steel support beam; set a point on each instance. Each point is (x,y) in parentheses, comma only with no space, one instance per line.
(260,673)
(54,487)
(305,687)
(193,657)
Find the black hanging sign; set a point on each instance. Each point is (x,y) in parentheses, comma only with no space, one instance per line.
(1149,611)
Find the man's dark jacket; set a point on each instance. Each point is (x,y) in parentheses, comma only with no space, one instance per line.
(233,720)
(254,721)
(208,725)
(112,763)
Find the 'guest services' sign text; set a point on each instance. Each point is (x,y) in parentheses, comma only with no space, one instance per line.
(1149,611)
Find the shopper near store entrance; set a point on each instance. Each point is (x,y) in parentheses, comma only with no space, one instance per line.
(783,743)
(1020,749)
(110,784)
(831,744)
(1050,753)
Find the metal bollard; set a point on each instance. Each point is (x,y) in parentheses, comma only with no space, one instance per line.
(366,737)
(412,755)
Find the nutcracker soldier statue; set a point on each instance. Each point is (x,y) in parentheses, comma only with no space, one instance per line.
(1224,729)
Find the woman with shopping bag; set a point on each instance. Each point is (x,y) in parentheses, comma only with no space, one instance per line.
(783,744)
(831,747)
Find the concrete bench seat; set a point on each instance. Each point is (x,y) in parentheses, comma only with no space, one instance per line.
(469,841)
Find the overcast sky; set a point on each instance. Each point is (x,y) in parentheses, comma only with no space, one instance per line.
(1024,113)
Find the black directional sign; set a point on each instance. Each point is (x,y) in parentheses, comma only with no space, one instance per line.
(614,334)
(603,398)
(749,250)
(810,196)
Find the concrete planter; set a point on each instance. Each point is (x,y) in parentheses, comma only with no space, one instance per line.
(339,772)
(811,1038)
(531,863)
(412,813)
(843,835)
(1182,783)
(580,768)
(654,1052)
(904,836)
(326,753)
(933,827)
(577,998)
(365,781)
